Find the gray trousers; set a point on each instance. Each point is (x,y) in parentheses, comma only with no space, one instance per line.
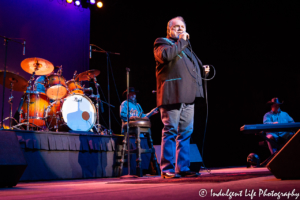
(178,120)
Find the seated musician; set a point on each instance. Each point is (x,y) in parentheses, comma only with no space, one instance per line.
(135,109)
(276,139)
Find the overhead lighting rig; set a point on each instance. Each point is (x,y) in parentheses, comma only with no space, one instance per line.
(86,3)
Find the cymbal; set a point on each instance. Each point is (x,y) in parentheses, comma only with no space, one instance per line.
(19,83)
(39,65)
(87,75)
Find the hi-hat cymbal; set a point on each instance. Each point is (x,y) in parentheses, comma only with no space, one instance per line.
(87,75)
(39,65)
(19,83)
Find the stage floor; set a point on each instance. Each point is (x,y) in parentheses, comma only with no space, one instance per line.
(103,188)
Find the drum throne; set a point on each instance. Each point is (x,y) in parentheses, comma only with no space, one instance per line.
(136,127)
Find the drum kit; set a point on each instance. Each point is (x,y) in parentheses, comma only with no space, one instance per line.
(52,102)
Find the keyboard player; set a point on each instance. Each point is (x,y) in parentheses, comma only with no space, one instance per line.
(275,116)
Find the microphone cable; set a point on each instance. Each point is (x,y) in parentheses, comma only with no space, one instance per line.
(206,100)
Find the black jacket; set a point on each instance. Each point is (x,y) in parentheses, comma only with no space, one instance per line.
(177,78)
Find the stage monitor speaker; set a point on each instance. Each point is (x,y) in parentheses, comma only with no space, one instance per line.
(286,163)
(195,156)
(12,160)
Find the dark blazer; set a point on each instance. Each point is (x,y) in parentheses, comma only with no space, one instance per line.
(176,75)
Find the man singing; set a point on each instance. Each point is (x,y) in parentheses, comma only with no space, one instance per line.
(179,82)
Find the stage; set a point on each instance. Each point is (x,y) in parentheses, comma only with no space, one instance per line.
(63,155)
(115,188)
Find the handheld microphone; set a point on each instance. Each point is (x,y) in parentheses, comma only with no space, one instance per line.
(90,51)
(24,43)
(153,91)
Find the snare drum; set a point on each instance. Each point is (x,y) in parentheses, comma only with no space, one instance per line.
(37,105)
(74,87)
(56,87)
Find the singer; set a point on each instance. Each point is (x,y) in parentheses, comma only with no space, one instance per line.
(178,82)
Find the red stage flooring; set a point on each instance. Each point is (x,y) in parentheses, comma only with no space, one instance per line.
(257,188)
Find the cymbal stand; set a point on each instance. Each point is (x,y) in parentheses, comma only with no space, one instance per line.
(28,97)
(98,125)
(6,39)
(29,91)
(97,104)
(10,101)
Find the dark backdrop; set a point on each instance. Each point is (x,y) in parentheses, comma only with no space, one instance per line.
(252,44)
(53,30)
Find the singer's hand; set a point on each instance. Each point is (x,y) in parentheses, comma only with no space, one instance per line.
(184,36)
(206,68)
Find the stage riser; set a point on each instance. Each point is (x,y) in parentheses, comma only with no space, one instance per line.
(54,156)
(53,165)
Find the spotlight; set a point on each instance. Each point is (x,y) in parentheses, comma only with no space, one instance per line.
(92,1)
(77,2)
(99,4)
(69,1)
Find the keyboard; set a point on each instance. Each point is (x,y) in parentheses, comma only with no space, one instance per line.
(254,128)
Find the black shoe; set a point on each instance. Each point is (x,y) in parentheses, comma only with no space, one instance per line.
(189,174)
(170,175)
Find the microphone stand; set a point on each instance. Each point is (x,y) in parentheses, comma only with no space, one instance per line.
(108,87)
(6,39)
(127,134)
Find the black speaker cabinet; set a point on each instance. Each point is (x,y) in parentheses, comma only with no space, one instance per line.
(286,163)
(12,160)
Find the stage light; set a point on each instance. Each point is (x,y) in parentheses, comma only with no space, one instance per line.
(77,2)
(99,4)
(92,1)
(69,1)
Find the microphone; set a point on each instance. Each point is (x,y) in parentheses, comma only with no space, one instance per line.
(153,91)
(90,51)
(206,69)
(24,43)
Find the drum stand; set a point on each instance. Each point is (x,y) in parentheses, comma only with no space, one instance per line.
(97,105)
(28,100)
(98,100)
(10,101)
(6,39)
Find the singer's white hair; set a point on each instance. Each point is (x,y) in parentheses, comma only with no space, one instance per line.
(170,23)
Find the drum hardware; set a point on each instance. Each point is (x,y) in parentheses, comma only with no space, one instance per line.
(6,39)
(98,100)
(108,82)
(34,66)
(90,89)
(97,104)
(14,82)
(53,111)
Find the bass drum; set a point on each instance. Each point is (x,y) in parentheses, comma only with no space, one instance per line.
(79,112)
